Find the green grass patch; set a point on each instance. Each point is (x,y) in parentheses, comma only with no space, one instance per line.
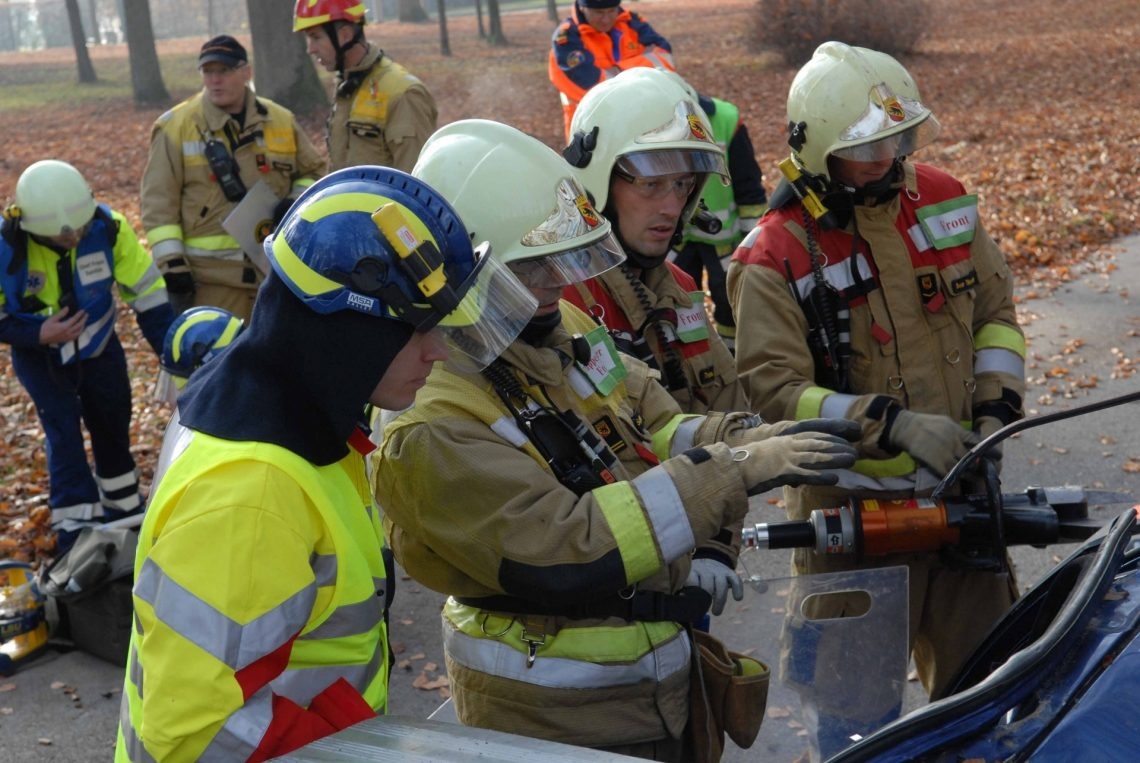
(40,83)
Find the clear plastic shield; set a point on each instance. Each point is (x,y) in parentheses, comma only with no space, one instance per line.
(836,644)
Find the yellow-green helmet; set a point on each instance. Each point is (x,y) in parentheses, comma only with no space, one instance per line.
(642,123)
(512,190)
(856,104)
(53,199)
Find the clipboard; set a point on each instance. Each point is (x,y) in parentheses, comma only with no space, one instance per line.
(251,221)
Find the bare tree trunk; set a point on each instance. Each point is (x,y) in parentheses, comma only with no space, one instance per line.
(93,14)
(79,42)
(444,43)
(146,76)
(412,11)
(496,36)
(282,69)
(479,16)
(552,10)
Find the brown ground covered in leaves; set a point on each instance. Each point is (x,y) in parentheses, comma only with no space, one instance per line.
(1038,100)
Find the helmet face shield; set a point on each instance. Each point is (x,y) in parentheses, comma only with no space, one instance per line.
(674,162)
(554,271)
(892,146)
(495,308)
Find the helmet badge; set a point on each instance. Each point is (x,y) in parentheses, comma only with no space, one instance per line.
(894,109)
(698,129)
(589,214)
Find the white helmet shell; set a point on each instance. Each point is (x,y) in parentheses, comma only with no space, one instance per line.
(648,124)
(513,191)
(857,104)
(54,199)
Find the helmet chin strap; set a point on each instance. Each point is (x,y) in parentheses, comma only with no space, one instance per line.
(330,28)
(883,189)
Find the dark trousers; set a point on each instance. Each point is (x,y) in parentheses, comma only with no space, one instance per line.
(95,391)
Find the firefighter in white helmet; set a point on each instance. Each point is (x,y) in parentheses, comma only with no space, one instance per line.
(559,496)
(871,291)
(644,149)
(61,254)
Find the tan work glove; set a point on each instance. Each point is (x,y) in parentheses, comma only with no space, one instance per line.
(807,458)
(934,440)
(848,430)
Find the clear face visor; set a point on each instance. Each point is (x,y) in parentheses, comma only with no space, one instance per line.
(673,162)
(905,123)
(168,386)
(495,308)
(555,271)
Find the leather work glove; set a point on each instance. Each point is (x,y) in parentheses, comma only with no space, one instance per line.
(807,458)
(845,428)
(180,286)
(986,426)
(932,439)
(715,578)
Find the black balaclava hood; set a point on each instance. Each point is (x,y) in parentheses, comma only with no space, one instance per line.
(540,327)
(293,378)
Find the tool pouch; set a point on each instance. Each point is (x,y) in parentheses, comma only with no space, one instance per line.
(727,694)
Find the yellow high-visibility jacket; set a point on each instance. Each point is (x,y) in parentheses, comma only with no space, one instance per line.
(259,605)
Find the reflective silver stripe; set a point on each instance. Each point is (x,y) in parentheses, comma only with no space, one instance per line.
(999,360)
(148,301)
(193,148)
(214,632)
(685,435)
(217,254)
(135,750)
(148,279)
(506,428)
(838,275)
(351,619)
(77,511)
(918,237)
(167,247)
(666,513)
(242,731)
(324,568)
(835,405)
(498,659)
(301,685)
(659,58)
(110,484)
(67,351)
(127,503)
(135,671)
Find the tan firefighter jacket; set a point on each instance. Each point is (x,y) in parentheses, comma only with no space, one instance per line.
(932,323)
(672,299)
(385,120)
(183,205)
(472,510)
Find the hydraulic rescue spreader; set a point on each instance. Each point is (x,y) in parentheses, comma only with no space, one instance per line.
(870,527)
(974,528)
